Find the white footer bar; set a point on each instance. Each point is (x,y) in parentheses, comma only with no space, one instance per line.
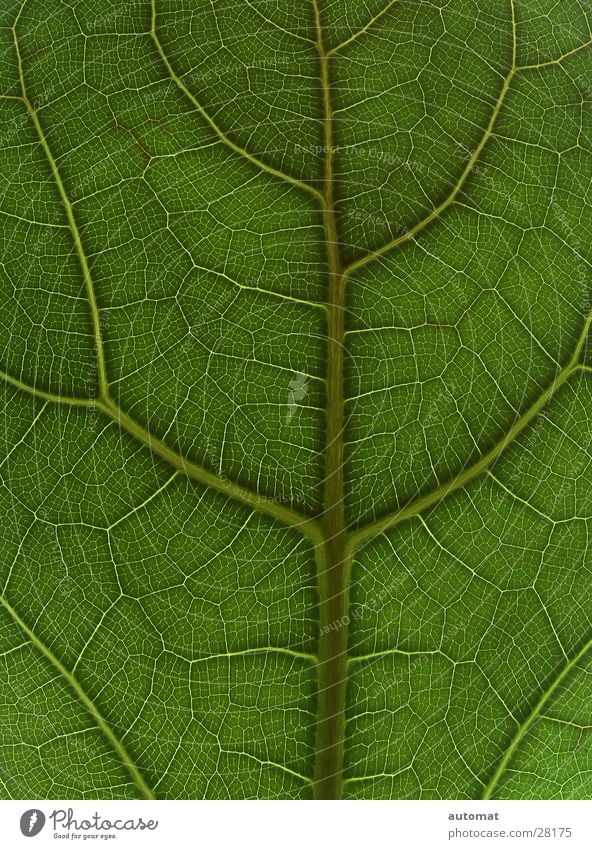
(297,825)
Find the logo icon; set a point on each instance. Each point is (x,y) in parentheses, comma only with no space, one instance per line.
(32,822)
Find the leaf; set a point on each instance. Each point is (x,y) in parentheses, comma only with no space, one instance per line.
(297,459)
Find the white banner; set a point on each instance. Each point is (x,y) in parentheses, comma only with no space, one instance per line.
(294,825)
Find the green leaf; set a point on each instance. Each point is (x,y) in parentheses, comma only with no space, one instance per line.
(296,468)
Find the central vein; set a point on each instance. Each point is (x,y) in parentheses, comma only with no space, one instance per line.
(332,557)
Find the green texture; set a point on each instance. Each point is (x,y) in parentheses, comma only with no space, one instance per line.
(296,468)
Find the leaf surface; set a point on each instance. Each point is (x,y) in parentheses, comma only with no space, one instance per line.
(296,465)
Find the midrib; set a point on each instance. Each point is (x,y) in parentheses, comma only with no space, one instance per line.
(332,555)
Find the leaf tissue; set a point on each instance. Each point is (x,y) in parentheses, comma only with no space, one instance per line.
(296,459)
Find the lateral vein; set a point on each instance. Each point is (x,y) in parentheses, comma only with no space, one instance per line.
(258,503)
(535,713)
(90,290)
(383,524)
(254,160)
(409,234)
(363,29)
(41,394)
(115,742)
(306,525)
